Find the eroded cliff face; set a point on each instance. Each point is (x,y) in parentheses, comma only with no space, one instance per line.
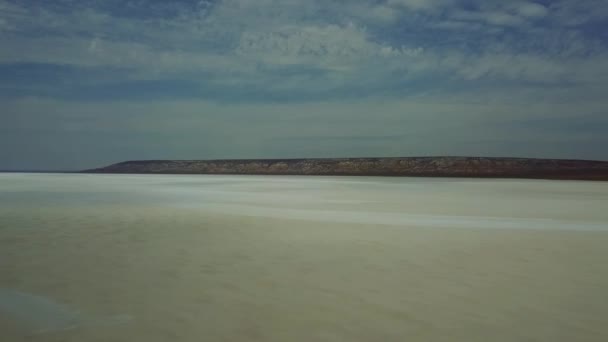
(422,166)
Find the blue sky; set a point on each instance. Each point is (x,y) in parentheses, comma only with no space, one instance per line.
(86,83)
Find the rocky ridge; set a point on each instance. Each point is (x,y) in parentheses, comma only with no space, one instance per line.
(476,167)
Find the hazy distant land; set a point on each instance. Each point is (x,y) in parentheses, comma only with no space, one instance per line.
(476,167)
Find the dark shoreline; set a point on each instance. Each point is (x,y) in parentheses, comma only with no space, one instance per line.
(460,167)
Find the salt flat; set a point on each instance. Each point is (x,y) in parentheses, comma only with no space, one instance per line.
(255,258)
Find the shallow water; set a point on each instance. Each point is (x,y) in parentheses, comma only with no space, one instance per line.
(265,258)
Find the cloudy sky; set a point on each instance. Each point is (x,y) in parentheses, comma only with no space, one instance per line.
(84,83)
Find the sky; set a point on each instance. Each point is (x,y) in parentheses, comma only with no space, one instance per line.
(85,83)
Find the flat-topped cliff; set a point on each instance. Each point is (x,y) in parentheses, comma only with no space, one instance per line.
(408,166)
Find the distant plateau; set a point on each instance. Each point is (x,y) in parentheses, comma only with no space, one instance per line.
(474,167)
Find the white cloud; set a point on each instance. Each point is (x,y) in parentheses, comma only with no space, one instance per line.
(383,13)
(575,13)
(315,41)
(512,14)
(421,5)
(530,9)
(514,67)
(489,17)
(332,46)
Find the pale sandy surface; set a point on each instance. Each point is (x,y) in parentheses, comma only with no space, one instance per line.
(284,259)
